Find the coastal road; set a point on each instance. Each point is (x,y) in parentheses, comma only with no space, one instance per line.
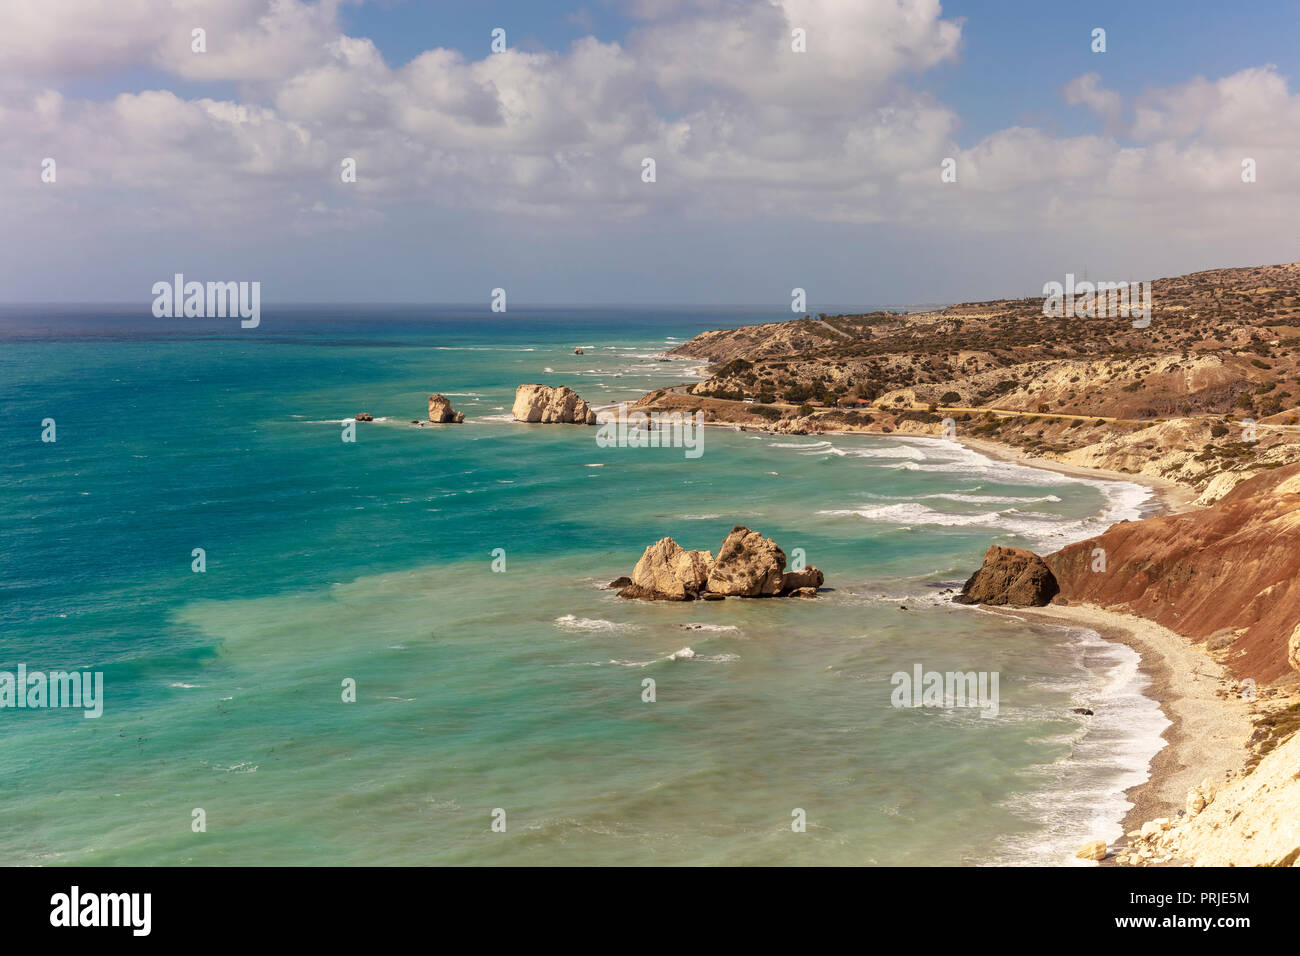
(1000,412)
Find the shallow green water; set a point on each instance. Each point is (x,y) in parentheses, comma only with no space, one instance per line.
(520,690)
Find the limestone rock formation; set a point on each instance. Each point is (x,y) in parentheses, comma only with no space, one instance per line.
(671,573)
(748,565)
(548,404)
(1094,850)
(440,410)
(364,417)
(1247,820)
(1010,576)
(809,577)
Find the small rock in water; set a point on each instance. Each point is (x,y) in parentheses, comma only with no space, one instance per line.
(1095,850)
(1082,710)
(620,582)
(902,607)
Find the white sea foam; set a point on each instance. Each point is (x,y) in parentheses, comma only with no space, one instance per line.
(1082,794)
(570,622)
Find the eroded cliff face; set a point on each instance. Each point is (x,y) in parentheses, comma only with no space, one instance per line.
(1229,573)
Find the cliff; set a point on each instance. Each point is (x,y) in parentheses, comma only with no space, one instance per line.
(1228,574)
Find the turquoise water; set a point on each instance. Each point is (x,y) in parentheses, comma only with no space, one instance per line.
(521,690)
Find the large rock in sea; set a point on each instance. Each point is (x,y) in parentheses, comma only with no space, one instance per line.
(668,572)
(748,565)
(546,403)
(1010,576)
(440,411)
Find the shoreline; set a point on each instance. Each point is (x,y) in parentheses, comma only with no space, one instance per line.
(1169,497)
(1207,735)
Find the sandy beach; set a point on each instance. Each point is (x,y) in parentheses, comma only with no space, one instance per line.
(1208,729)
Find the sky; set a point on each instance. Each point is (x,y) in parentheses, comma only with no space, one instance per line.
(523,168)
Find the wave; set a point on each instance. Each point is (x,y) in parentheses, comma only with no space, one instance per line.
(993,499)
(571,622)
(1042,528)
(1082,795)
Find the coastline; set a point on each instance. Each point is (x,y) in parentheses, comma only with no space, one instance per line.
(1170,497)
(1208,732)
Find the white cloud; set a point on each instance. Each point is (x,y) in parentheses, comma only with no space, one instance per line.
(740,126)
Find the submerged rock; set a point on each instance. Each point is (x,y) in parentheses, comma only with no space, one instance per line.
(809,577)
(548,404)
(1012,577)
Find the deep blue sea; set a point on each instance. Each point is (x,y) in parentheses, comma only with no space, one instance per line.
(513,694)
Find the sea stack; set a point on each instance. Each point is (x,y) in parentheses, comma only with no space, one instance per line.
(440,411)
(747,565)
(549,404)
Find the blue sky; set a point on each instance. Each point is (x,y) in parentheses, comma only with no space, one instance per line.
(523,170)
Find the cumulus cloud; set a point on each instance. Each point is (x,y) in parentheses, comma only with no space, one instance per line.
(739,124)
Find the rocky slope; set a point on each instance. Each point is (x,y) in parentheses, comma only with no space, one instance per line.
(1176,399)
(1247,820)
(1228,574)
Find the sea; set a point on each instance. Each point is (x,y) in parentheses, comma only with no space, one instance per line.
(401,649)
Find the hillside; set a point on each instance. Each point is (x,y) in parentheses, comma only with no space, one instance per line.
(1210,386)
